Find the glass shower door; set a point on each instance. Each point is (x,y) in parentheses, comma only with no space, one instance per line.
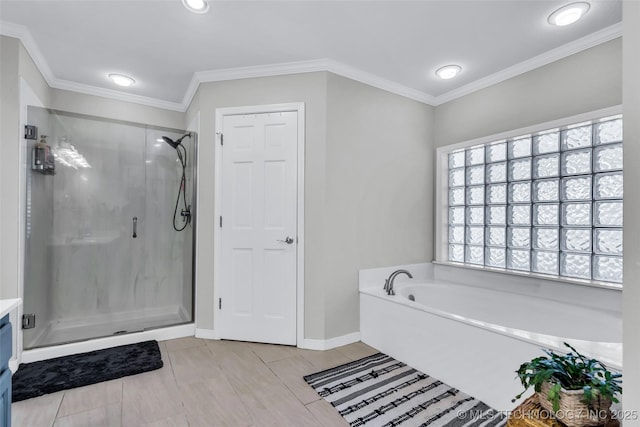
(102,258)
(168,264)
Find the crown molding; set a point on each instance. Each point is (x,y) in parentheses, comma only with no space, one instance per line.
(379,82)
(116,95)
(268,70)
(191,92)
(584,43)
(299,67)
(21,32)
(24,35)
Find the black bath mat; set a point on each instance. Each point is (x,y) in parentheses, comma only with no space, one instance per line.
(62,373)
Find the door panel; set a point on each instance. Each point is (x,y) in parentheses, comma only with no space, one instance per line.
(275,194)
(259,199)
(241,282)
(275,266)
(242,180)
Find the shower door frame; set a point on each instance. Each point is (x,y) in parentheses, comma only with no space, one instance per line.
(29,98)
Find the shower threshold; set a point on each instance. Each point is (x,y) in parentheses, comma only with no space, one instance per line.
(74,330)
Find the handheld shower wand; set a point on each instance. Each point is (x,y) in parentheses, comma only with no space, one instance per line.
(185,212)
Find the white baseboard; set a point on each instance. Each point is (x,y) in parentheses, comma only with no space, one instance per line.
(13,365)
(312,344)
(207,334)
(160,334)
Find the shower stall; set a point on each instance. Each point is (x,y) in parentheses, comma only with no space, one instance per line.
(102,254)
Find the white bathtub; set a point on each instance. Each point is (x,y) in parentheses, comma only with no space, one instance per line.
(475,338)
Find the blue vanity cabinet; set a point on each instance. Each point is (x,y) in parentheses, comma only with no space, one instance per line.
(5,372)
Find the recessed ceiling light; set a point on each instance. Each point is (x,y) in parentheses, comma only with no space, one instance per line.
(568,14)
(196,6)
(448,71)
(122,80)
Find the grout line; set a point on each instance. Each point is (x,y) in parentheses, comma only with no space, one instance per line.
(344,354)
(173,373)
(122,403)
(286,383)
(175,380)
(237,394)
(97,408)
(55,418)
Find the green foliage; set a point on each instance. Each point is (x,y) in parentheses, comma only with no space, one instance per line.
(571,371)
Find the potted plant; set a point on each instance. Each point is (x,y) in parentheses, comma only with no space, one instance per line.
(576,389)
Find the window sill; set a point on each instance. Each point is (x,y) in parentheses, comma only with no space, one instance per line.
(591,283)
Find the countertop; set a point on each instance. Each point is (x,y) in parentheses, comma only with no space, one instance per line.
(8,305)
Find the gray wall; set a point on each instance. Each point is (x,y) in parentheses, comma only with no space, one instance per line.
(15,64)
(9,136)
(586,81)
(631,293)
(309,88)
(368,156)
(31,74)
(379,187)
(80,103)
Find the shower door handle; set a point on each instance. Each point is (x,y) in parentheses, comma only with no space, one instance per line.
(135,227)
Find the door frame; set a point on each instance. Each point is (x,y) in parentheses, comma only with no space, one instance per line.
(220,114)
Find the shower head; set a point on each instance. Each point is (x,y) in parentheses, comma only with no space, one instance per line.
(177,142)
(170,141)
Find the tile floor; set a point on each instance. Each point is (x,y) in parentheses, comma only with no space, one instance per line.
(203,383)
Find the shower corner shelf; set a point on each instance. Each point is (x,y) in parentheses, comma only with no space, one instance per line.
(42,161)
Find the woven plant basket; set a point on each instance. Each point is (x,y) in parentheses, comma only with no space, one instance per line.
(573,411)
(531,414)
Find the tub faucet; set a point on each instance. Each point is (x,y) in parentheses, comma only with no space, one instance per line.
(388,284)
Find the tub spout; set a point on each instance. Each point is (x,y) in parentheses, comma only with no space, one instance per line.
(388,283)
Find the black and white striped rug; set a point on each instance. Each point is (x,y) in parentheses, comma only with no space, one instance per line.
(380,391)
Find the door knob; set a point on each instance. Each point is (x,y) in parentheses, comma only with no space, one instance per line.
(288,240)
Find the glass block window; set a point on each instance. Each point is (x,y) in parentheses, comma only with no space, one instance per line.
(548,203)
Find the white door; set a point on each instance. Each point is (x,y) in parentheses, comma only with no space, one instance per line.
(258,228)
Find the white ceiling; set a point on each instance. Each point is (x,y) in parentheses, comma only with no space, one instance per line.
(401,43)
